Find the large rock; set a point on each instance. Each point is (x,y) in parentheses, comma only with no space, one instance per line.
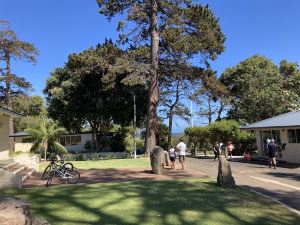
(157,158)
(225,177)
(15,211)
(166,158)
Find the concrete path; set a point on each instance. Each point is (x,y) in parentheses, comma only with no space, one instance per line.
(117,175)
(282,184)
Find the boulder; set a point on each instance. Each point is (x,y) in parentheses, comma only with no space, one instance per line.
(225,178)
(17,212)
(166,158)
(157,158)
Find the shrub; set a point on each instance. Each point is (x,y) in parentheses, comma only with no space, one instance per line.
(202,138)
(88,146)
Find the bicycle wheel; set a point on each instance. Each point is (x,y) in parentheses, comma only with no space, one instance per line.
(46,173)
(73,176)
(50,179)
(68,166)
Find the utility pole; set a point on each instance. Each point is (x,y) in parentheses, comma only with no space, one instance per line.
(192,121)
(134,125)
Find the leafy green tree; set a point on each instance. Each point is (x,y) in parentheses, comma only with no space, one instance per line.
(198,138)
(257,90)
(219,132)
(211,96)
(12,48)
(33,109)
(177,27)
(175,86)
(84,91)
(290,73)
(46,137)
(162,133)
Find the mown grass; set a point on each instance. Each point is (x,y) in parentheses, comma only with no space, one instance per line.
(104,164)
(153,202)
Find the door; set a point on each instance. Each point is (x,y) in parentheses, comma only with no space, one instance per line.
(271,134)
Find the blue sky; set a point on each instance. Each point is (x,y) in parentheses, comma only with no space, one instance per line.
(60,27)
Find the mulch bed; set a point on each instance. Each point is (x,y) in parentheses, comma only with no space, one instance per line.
(117,175)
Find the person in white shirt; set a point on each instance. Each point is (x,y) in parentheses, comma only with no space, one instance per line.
(172,155)
(181,147)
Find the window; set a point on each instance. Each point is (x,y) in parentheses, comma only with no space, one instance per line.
(70,140)
(63,141)
(271,134)
(75,140)
(294,135)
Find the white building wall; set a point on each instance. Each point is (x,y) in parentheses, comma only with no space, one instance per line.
(4,137)
(22,147)
(79,147)
(291,153)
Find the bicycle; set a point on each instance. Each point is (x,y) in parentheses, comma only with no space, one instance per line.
(71,176)
(54,165)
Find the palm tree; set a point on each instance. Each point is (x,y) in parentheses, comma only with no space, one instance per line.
(46,136)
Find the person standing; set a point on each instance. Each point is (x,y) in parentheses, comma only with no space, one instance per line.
(230,148)
(181,147)
(172,155)
(216,151)
(272,153)
(221,149)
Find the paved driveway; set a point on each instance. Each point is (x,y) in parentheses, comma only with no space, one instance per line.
(282,184)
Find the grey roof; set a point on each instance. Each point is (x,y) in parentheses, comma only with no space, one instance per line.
(6,111)
(20,134)
(291,119)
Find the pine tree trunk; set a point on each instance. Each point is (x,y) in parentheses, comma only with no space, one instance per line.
(153,86)
(8,100)
(170,129)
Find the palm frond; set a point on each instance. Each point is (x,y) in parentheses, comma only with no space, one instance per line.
(35,147)
(59,148)
(56,133)
(35,134)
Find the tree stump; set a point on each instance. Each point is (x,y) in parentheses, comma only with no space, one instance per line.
(157,158)
(225,178)
(17,212)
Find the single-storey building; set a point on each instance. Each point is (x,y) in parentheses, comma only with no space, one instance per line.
(285,130)
(5,116)
(76,142)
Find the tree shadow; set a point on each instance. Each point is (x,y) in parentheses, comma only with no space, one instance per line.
(265,162)
(153,202)
(290,176)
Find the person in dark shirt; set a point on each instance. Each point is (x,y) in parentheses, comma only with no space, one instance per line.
(272,153)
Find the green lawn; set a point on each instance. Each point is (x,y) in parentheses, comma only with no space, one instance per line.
(102,164)
(153,202)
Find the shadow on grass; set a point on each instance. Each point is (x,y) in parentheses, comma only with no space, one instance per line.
(153,202)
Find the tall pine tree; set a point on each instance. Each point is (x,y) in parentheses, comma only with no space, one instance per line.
(179,25)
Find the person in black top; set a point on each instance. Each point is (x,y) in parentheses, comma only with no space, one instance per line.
(216,151)
(272,153)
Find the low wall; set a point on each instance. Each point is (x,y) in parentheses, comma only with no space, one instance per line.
(97,156)
(9,180)
(23,147)
(4,155)
(29,161)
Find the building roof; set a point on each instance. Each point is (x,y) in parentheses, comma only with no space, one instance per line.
(20,134)
(291,119)
(25,134)
(8,112)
